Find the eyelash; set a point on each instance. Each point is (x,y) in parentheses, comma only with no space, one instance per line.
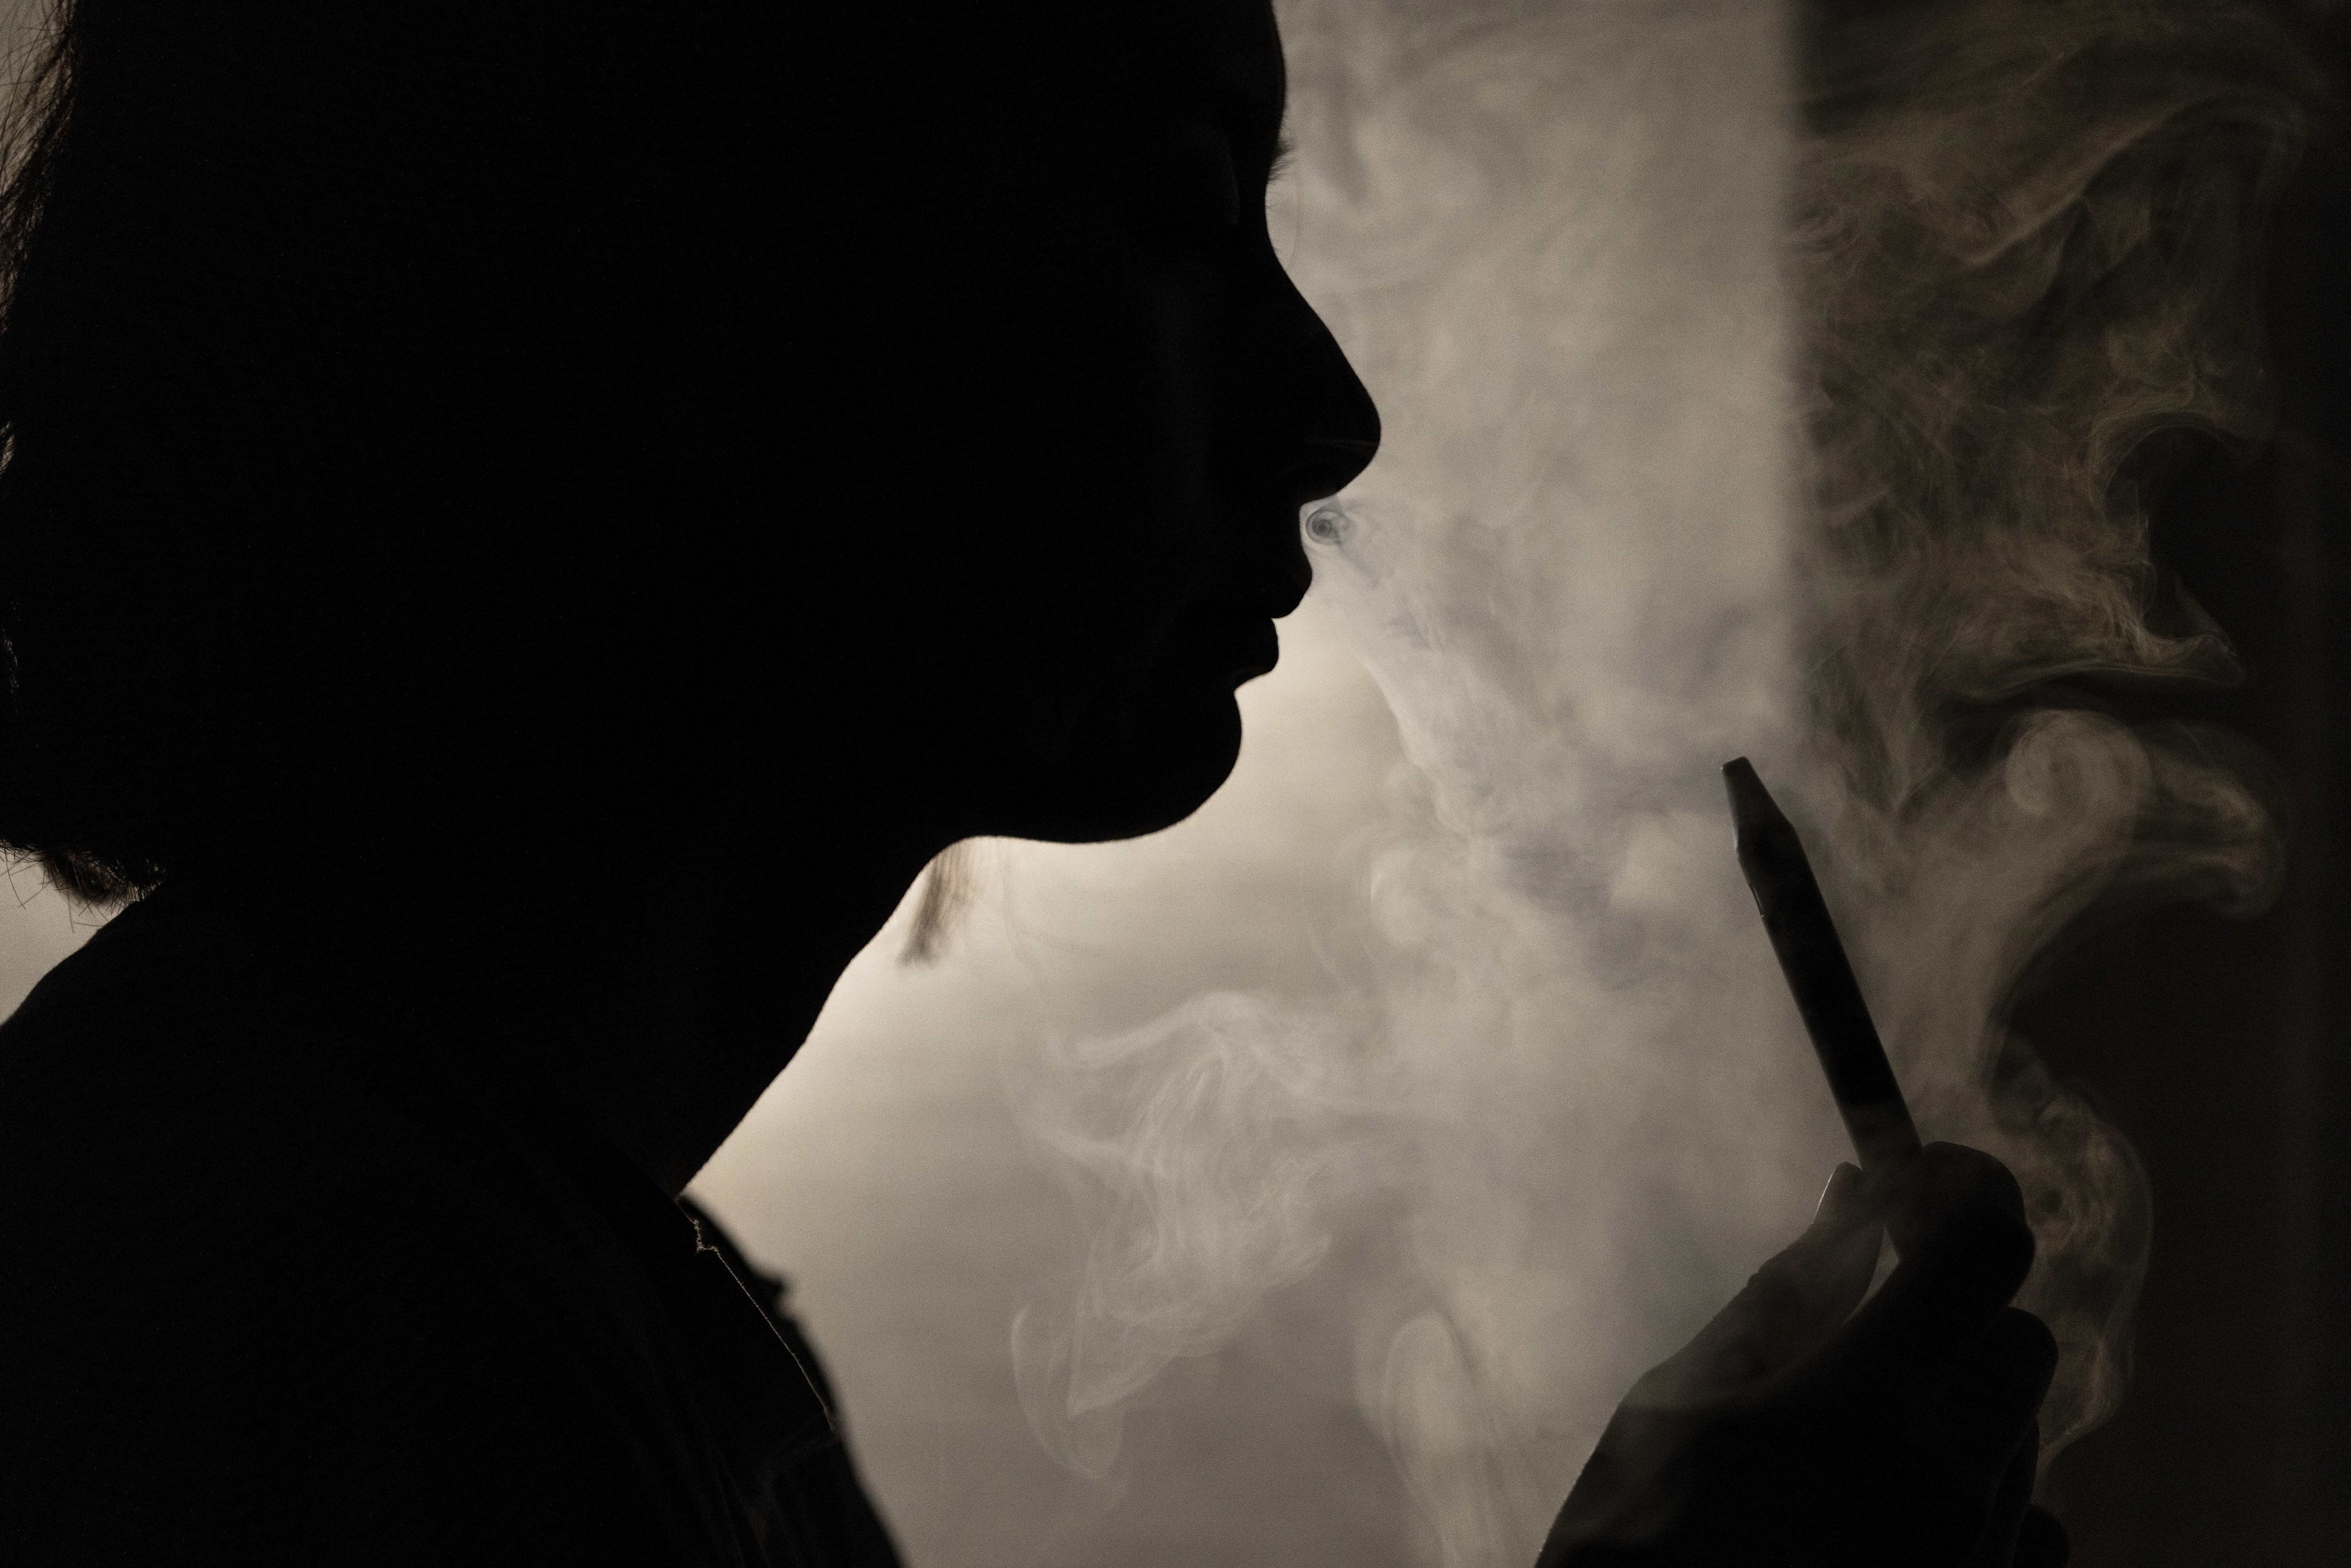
(1227,235)
(1285,153)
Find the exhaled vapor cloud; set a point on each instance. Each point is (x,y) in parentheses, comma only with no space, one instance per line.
(1724,416)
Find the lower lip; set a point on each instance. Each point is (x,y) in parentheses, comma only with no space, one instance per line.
(1244,644)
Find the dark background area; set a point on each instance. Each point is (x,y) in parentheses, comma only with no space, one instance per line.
(2223,1048)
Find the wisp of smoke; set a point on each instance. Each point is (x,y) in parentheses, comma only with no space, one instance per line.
(1711,430)
(2023,237)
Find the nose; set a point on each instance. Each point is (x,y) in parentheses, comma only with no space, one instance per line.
(1333,430)
(1306,427)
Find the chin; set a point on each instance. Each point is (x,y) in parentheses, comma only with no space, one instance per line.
(1148,768)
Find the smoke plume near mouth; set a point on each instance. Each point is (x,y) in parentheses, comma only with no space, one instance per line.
(1714,427)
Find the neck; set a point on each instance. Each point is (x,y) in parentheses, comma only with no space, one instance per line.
(653,1001)
(707,983)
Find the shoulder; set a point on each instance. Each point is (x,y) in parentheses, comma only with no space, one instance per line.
(255,1301)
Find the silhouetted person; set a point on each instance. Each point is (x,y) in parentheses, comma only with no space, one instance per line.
(525,527)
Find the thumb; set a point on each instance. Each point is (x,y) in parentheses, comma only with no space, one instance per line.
(1791,1306)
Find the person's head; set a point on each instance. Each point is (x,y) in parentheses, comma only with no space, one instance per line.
(468,429)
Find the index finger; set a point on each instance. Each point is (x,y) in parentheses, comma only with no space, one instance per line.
(1959,1221)
(1791,1306)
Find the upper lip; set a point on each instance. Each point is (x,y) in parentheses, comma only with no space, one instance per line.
(1272,602)
(1270,588)
(1264,569)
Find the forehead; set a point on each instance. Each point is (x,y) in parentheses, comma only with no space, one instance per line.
(1197,57)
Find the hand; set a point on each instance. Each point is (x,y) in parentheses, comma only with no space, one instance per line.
(1796,1430)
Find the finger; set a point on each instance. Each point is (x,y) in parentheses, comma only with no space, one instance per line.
(1789,1307)
(1631,1451)
(1959,1223)
(2041,1542)
(1997,1549)
(1809,1289)
(1949,1193)
(1996,1392)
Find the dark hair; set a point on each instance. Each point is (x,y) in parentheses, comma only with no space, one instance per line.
(347,453)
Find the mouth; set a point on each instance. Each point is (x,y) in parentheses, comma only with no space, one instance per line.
(1240,643)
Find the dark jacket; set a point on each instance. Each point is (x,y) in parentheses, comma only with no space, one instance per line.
(279,1289)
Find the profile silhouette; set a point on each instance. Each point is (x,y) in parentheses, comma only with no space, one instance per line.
(525,527)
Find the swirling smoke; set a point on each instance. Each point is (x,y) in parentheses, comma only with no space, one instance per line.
(1751,387)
